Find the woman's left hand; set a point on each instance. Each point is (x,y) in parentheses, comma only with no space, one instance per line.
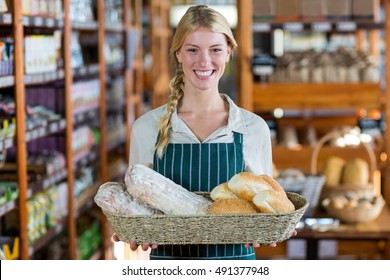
(272,245)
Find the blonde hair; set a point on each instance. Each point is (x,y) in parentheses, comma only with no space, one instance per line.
(194,18)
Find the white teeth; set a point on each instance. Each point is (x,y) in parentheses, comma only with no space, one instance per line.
(204,73)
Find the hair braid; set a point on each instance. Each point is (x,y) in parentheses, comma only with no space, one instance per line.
(176,85)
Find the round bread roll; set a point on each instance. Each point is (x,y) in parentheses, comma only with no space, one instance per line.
(222,191)
(271,201)
(232,206)
(245,185)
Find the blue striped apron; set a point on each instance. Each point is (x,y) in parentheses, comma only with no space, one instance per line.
(201,167)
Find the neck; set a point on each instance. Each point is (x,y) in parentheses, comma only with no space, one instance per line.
(201,103)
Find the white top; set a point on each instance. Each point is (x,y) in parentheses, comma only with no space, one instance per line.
(256,137)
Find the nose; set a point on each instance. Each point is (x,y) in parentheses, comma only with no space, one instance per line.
(204,58)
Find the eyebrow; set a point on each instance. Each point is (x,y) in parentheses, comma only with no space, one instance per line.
(213,46)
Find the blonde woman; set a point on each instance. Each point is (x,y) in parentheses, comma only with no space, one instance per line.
(200,138)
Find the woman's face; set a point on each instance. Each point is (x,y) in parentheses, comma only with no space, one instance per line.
(203,56)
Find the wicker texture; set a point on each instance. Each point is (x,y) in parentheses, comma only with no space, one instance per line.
(210,229)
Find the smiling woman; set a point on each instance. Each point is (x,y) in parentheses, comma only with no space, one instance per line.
(200,138)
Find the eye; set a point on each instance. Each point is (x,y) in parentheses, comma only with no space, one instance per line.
(192,50)
(216,50)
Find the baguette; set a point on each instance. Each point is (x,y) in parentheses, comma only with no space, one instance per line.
(159,192)
(113,198)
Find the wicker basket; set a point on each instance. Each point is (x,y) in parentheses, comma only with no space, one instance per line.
(358,214)
(210,229)
(372,187)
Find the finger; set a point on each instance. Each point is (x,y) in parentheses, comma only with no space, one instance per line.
(256,245)
(115,238)
(133,245)
(272,245)
(145,246)
(153,246)
(295,233)
(247,245)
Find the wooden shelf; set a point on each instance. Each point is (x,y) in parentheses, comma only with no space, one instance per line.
(301,157)
(316,96)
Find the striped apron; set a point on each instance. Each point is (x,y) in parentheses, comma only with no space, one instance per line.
(201,167)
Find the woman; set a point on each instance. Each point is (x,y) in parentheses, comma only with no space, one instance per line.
(200,138)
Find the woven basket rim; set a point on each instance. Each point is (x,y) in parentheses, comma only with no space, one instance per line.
(158,216)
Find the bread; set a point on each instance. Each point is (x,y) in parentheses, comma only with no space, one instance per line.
(273,183)
(356,172)
(232,206)
(159,192)
(333,170)
(245,185)
(271,201)
(113,198)
(222,191)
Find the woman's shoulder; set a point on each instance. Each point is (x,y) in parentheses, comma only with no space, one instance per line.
(150,118)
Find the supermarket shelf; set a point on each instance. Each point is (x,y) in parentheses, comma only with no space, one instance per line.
(319,26)
(51,233)
(46,182)
(7,81)
(43,22)
(7,207)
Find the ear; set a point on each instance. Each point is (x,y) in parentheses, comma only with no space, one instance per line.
(178,56)
(228,53)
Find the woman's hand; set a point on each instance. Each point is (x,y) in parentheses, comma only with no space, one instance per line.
(272,245)
(133,244)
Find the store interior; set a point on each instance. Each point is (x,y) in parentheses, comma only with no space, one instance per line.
(76,74)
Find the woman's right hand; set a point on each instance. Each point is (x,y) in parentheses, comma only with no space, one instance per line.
(133,244)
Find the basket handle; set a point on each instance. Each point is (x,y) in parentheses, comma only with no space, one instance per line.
(334,134)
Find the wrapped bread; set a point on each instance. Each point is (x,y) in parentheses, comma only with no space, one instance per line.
(113,198)
(232,206)
(156,191)
(222,191)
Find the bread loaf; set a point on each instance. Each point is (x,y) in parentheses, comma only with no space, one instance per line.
(245,185)
(159,192)
(232,206)
(333,170)
(271,201)
(113,198)
(222,191)
(356,172)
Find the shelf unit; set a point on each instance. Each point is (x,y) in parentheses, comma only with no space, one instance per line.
(160,35)
(258,97)
(127,69)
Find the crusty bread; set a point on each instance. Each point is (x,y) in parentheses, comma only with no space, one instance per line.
(158,192)
(273,183)
(114,198)
(245,185)
(232,206)
(271,201)
(222,191)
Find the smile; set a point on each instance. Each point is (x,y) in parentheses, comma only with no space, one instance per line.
(204,73)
